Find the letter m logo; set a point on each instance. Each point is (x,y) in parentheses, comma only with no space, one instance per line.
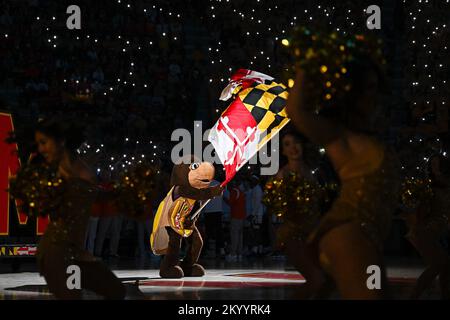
(9,165)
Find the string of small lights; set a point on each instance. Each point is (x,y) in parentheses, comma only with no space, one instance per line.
(245,34)
(426,74)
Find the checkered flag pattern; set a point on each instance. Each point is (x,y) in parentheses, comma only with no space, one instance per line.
(256,114)
(266,102)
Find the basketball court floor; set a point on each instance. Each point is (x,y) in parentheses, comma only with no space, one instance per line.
(257,279)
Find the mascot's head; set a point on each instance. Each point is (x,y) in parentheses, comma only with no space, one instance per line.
(192,173)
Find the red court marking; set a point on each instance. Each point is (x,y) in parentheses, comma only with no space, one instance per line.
(293,276)
(246,284)
(270,275)
(214,284)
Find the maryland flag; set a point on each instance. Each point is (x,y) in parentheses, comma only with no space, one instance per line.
(258,107)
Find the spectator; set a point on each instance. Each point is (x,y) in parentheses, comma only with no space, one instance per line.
(256,216)
(110,221)
(91,232)
(213,213)
(236,201)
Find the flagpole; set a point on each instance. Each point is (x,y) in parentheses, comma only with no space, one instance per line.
(239,168)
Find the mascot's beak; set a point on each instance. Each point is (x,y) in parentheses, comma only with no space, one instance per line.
(204,183)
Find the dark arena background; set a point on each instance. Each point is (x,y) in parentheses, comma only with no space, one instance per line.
(129,73)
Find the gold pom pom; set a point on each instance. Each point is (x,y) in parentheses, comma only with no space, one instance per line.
(415,191)
(135,189)
(327,56)
(38,188)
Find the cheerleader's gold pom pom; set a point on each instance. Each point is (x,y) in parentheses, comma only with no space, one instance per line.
(37,189)
(135,189)
(327,60)
(292,197)
(274,198)
(415,191)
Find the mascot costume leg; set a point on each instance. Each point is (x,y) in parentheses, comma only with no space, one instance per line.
(170,264)
(194,247)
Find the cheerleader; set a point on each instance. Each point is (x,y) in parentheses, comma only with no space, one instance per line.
(349,237)
(62,244)
(294,195)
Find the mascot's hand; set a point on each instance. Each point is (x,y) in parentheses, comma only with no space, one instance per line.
(188,223)
(217,190)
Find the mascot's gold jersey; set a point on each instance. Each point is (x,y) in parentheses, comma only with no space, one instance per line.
(170,214)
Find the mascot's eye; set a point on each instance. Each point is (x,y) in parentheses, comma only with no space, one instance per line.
(194,166)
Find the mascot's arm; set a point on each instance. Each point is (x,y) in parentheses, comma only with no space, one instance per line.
(198,194)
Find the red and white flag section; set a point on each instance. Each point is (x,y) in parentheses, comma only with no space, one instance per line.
(242,78)
(257,106)
(235,138)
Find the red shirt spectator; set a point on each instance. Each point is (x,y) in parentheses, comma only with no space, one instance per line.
(236,202)
(104,207)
